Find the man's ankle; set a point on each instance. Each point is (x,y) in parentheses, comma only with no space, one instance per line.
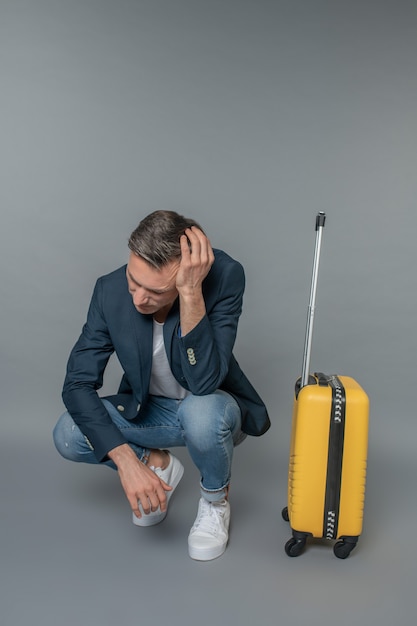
(158,458)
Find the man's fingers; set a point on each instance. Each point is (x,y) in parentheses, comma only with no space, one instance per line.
(199,249)
(165,485)
(185,246)
(156,500)
(136,511)
(151,500)
(196,239)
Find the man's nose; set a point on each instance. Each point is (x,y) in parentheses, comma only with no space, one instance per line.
(140,296)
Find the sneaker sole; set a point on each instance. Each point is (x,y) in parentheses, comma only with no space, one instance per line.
(207,554)
(151,519)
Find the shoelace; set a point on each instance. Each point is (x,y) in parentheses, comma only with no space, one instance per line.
(210,518)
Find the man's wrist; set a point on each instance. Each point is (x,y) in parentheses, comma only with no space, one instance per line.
(121,454)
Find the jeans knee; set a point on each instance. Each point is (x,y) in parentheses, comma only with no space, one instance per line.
(64,435)
(208,420)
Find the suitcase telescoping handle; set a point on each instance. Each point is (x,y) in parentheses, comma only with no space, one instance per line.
(320,220)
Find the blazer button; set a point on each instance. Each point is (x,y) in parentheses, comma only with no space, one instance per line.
(191,356)
(120,407)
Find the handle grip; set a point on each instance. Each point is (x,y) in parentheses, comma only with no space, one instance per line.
(320,220)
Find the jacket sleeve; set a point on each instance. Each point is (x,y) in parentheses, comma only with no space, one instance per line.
(84,376)
(206,351)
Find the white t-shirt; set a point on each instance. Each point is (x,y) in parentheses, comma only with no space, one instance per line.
(163,383)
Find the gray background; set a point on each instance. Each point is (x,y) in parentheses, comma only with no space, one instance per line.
(250,116)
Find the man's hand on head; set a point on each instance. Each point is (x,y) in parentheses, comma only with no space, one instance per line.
(197,257)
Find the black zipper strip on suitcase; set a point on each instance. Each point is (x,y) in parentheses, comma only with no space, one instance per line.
(335,458)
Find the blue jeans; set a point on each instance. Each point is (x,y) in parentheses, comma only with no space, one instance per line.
(209,426)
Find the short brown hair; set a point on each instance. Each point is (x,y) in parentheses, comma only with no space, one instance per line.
(157,238)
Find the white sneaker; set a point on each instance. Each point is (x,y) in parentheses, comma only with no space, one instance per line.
(210,532)
(172,475)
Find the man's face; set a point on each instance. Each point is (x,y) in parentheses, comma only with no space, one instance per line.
(152,290)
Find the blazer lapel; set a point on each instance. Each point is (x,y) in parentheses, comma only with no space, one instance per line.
(170,330)
(142,348)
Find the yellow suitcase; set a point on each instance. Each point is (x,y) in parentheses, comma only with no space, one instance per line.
(328,451)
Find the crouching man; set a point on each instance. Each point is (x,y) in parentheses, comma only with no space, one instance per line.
(171,316)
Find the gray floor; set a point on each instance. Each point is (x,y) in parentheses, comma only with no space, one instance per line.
(70,554)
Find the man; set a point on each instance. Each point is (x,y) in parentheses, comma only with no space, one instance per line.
(171,316)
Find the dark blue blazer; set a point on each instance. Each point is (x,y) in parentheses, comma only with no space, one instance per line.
(114,325)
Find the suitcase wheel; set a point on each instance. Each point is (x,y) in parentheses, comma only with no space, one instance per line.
(294,547)
(285,515)
(342,549)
